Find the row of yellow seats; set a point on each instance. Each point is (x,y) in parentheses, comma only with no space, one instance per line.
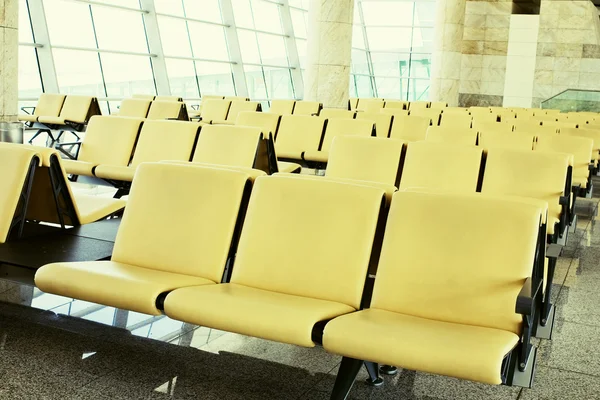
(159,108)
(227,111)
(115,146)
(289,290)
(34,187)
(370,104)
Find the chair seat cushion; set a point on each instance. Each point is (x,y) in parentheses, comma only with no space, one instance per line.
(51,120)
(94,208)
(76,167)
(461,351)
(28,117)
(320,156)
(115,172)
(284,166)
(113,284)
(253,312)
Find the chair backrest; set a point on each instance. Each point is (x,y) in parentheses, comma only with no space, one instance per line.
(484,126)
(307,107)
(169,98)
(410,128)
(237,98)
(299,133)
(181,219)
(78,108)
(383,122)
(267,122)
(109,140)
(213,109)
(418,105)
(499,140)
(17,169)
(336,113)
(282,107)
(451,111)
(365,159)
(540,175)
(403,105)
(560,125)
(431,113)
(535,128)
(165,140)
(456,121)
(484,251)
(506,115)
(441,166)
(394,111)
(238,106)
(143,96)
(352,103)
(136,108)
(160,109)
(228,145)
(346,127)
(370,104)
(288,211)
(49,105)
(438,105)
(593,134)
(458,136)
(212,97)
(580,147)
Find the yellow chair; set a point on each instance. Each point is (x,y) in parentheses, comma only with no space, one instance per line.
(439,311)
(282,107)
(534,127)
(394,111)
(441,166)
(213,110)
(431,113)
(135,108)
(336,113)
(365,159)
(17,169)
(581,149)
(438,105)
(418,105)
(593,134)
(297,134)
(339,127)
(108,140)
(238,106)
(456,121)
(159,140)
(161,109)
(410,128)
(51,199)
(456,136)
(237,98)
(499,140)
(267,122)
(383,122)
(74,116)
(282,287)
(177,231)
(485,126)
(307,108)
(49,104)
(169,98)
(352,103)
(451,111)
(372,105)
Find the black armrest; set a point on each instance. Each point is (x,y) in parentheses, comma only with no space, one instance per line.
(24,109)
(553,250)
(195,106)
(62,148)
(526,299)
(314,114)
(564,201)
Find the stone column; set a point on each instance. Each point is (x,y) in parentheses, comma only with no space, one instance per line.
(329,50)
(447,51)
(9,49)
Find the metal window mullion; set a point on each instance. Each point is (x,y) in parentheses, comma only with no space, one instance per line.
(233,48)
(367,49)
(44,53)
(292,50)
(159,66)
(189,36)
(98,54)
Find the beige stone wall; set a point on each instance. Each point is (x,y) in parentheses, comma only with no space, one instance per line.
(568,52)
(484,50)
(9,48)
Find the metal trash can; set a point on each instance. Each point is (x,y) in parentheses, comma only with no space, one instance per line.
(11,132)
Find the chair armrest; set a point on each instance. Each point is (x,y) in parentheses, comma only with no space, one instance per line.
(575,188)
(564,201)
(195,107)
(526,299)
(553,251)
(24,109)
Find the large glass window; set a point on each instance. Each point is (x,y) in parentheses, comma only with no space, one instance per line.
(30,83)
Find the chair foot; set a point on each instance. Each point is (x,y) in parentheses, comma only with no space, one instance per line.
(345,378)
(374,379)
(388,370)
(375,383)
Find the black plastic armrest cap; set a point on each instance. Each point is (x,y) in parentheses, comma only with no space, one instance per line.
(526,299)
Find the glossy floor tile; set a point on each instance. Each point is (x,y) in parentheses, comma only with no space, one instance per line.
(52,347)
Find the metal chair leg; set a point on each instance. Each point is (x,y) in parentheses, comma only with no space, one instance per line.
(374,378)
(349,368)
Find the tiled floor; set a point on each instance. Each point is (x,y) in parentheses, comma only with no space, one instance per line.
(57,348)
